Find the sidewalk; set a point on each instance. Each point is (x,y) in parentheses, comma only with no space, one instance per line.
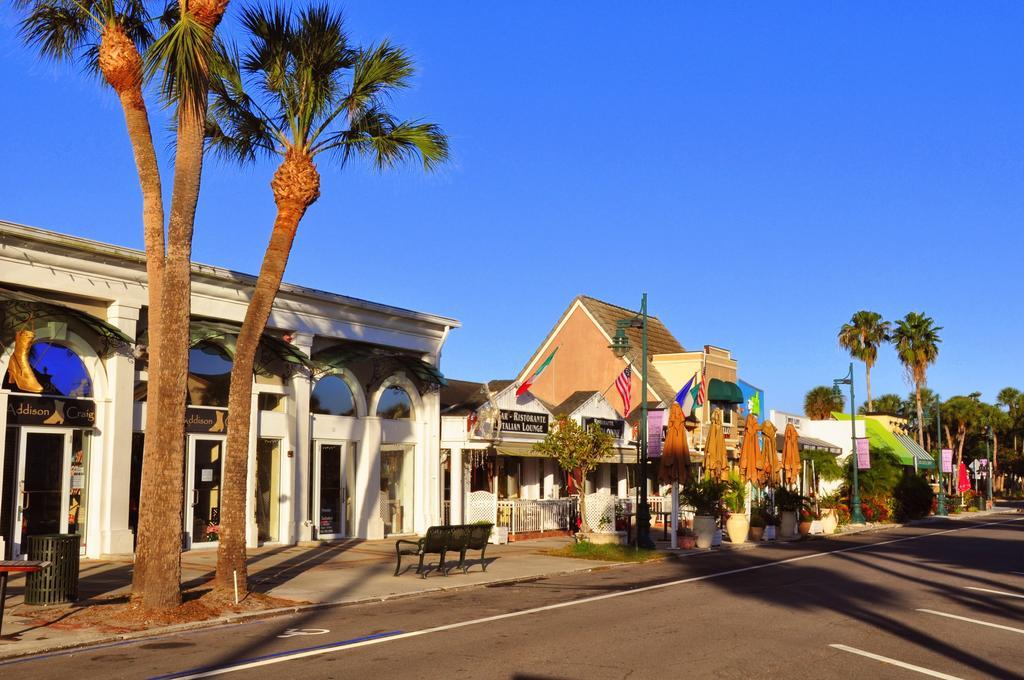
(341,573)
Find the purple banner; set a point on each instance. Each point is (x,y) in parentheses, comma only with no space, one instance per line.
(947,461)
(655,433)
(863,454)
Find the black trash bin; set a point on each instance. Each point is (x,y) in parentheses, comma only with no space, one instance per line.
(58,582)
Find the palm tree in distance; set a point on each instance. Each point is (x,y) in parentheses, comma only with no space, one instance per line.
(299,90)
(821,401)
(861,338)
(916,338)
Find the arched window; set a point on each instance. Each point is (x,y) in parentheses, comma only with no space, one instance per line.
(332,396)
(58,369)
(209,375)
(394,404)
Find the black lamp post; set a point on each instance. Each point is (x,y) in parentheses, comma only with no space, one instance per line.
(940,505)
(856,514)
(620,345)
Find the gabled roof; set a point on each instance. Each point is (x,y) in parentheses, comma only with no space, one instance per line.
(573,402)
(462,397)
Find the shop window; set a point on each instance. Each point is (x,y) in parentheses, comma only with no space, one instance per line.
(726,411)
(268,486)
(394,404)
(332,396)
(209,375)
(58,369)
(396,486)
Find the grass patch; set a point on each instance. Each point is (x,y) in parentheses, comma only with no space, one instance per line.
(607,552)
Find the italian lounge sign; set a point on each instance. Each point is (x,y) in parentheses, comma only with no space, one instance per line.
(205,421)
(51,411)
(524,422)
(612,427)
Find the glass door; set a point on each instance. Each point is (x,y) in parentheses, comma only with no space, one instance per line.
(268,489)
(44,460)
(202,491)
(332,479)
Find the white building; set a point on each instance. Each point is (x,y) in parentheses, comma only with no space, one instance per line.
(345,407)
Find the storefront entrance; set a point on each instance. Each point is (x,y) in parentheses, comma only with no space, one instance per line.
(42,486)
(333,475)
(202,491)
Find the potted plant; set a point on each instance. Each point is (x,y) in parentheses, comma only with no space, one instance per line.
(789,503)
(736,502)
(687,539)
(806,517)
(758,522)
(704,496)
(829,514)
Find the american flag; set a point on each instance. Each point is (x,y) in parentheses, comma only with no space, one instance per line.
(624,384)
(702,389)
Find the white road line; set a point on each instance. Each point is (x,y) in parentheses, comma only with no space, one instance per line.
(996,592)
(894,662)
(980,623)
(573,603)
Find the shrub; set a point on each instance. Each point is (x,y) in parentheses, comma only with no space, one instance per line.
(704,495)
(913,498)
(881,478)
(788,500)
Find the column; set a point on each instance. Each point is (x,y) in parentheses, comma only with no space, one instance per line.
(604,477)
(295,474)
(112,487)
(367,511)
(622,483)
(455,484)
(550,479)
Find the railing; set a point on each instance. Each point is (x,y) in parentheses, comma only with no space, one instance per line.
(446,512)
(525,516)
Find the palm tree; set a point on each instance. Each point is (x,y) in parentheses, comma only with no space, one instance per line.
(917,344)
(298,91)
(861,338)
(820,402)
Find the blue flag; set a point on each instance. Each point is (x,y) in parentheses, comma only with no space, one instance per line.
(685,397)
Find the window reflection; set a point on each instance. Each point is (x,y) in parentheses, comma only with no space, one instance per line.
(58,369)
(209,375)
(332,396)
(395,404)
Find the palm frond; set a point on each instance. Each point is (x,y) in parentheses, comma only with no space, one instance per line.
(58,29)
(378,71)
(183,55)
(377,135)
(237,129)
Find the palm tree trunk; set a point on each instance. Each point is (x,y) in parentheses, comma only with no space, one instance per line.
(867,380)
(296,186)
(920,413)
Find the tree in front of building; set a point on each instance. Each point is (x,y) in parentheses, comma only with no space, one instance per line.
(299,90)
(578,451)
(916,338)
(861,337)
(820,402)
(114,38)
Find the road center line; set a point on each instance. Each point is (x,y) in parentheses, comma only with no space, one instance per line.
(995,592)
(894,662)
(209,672)
(980,623)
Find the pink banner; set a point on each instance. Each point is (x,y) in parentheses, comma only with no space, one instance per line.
(947,461)
(863,454)
(655,433)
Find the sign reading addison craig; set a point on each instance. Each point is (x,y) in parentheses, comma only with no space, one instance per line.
(524,421)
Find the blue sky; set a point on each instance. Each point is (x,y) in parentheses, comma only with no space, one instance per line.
(762,171)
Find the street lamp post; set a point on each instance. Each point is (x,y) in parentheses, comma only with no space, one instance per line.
(856,514)
(988,465)
(940,506)
(620,345)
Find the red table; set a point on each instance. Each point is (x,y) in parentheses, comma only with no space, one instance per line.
(8,566)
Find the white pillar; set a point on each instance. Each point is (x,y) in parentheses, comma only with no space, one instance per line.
(550,480)
(295,477)
(367,512)
(604,477)
(112,489)
(623,481)
(455,484)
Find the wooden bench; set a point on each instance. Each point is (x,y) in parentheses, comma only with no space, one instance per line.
(441,540)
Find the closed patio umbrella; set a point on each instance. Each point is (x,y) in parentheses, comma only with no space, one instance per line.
(675,462)
(715,464)
(790,455)
(769,453)
(749,453)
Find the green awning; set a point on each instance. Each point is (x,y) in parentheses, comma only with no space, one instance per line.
(724,391)
(225,334)
(18,309)
(345,354)
(881,438)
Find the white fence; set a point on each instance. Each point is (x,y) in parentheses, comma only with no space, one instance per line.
(525,516)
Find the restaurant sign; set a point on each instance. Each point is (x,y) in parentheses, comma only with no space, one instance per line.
(524,422)
(50,411)
(612,427)
(205,421)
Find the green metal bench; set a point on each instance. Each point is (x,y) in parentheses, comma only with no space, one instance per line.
(440,540)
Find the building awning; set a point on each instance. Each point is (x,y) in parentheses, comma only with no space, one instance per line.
(345,354)
(924,460)
(18,309)
(804,443)
(724,391)
(226,335)
(623,454)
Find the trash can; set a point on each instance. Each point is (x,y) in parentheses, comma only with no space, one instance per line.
(58,582)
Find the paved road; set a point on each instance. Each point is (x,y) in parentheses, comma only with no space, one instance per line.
(945,599)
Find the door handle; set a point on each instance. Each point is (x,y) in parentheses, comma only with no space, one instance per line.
(195,497)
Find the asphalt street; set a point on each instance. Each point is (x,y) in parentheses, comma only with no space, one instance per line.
(945,599)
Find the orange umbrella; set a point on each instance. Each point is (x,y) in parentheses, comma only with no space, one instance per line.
(675,453)
(769,454)
(715,464)
(749,453)
(790,455)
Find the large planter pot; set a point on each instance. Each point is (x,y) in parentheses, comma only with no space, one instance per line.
(787,524)
(769,532)
(829,521)
(704,528)
(738,526)
(756,533)
(804,528)
(687,542)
